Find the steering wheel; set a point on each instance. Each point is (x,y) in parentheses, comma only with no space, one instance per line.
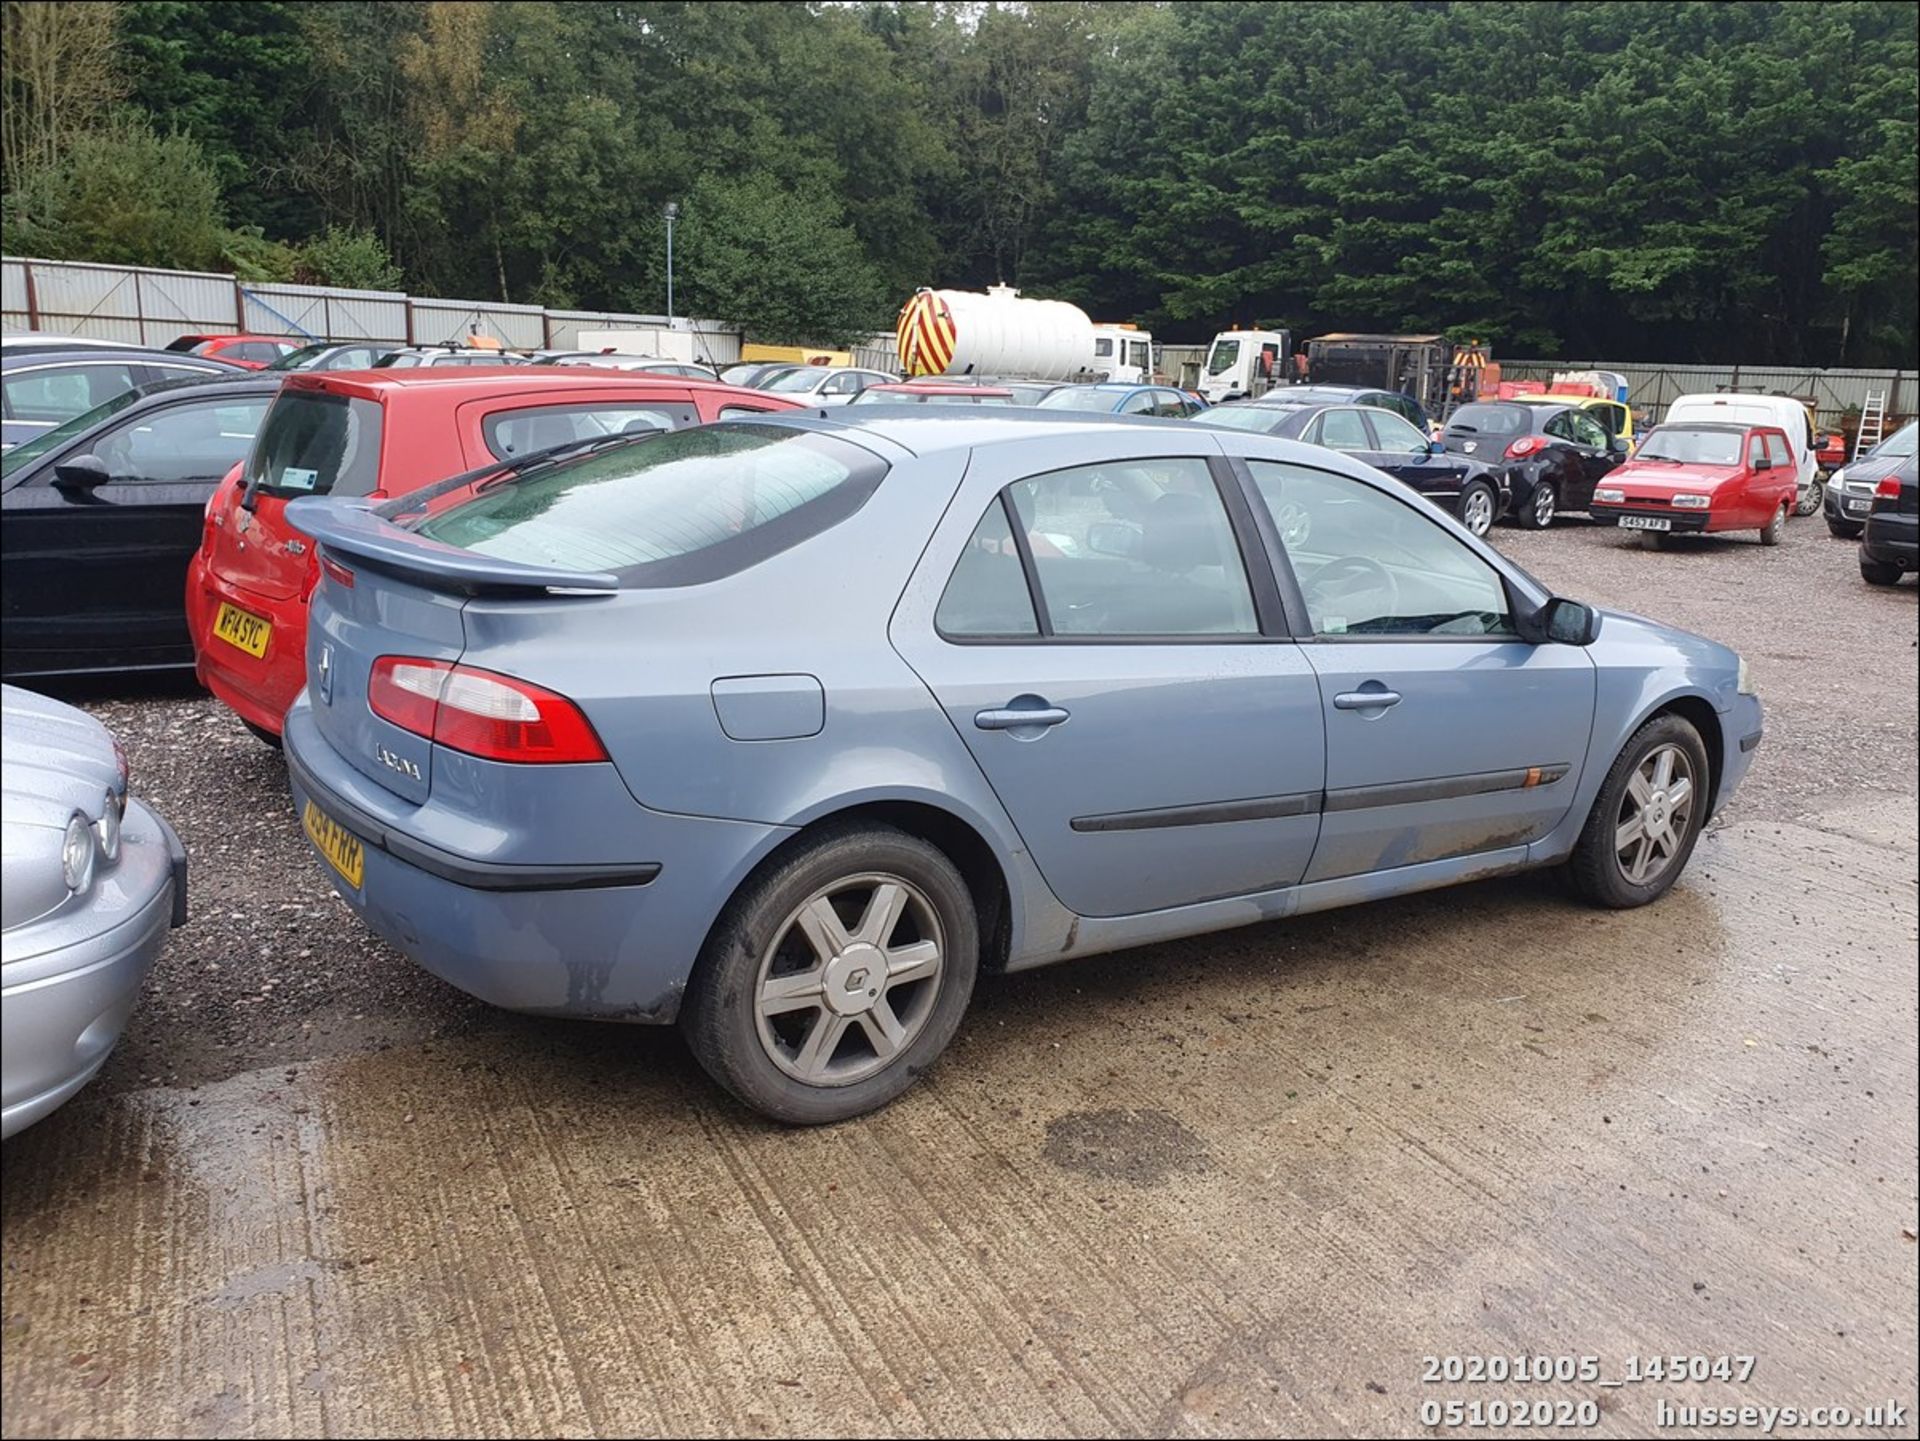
(1348,576)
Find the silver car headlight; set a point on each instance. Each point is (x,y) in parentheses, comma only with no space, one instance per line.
(107,828)
(1692,502)
(1608,496)
(1838,478)
(1744,682)
(77,852)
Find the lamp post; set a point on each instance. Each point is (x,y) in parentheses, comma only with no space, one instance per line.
(673,214)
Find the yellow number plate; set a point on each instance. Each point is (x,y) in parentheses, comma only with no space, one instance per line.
(341,848)
(243,628)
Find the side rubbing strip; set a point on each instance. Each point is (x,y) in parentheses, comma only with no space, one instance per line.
(1260,808)
(1360,798)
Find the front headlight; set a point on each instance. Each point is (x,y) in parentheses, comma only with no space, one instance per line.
(1744,683)
(1610,497)
(77,851)
(107,828)
(1839,477)
(1692,502)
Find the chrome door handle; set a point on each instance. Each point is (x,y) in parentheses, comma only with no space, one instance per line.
(1006,720)
(1366,699)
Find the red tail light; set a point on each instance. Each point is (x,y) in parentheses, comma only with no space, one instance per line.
(336,572)
(1888,489)
(1524,446)
(480,712)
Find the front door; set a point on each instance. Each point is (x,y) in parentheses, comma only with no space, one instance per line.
(1447,735)
(1588,440)
(1098,646)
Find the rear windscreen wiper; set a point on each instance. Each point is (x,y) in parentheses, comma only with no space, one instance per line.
(499,471)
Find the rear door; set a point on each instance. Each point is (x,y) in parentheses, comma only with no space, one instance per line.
(1446,734)
(95,575)
(1120,674)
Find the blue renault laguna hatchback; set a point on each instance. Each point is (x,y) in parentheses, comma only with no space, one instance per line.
(786,728)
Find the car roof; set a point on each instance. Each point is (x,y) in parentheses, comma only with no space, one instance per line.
(938,387)
(108,354)
(931,429)
(467,381)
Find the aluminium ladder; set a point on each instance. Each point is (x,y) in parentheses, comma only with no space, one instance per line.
(1873,421)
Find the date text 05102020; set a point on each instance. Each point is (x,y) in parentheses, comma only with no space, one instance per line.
(1634,1371)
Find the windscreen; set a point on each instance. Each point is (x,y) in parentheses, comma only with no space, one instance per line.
(1901,443)
(1223,355)
(1079,397)
(1263,418)
(1689,445)
(676,509)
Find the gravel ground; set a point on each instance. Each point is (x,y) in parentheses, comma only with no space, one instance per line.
(274,969)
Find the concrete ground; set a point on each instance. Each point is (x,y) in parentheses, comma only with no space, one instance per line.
(1247,1183)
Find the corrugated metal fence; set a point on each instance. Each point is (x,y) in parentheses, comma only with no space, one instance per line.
(152,307)
(1652,388)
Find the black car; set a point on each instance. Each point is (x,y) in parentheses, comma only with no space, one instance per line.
(1473,491)
(102,515)
(1849,490)
(44,386)
(1399,402)
(1552,455)
(1890,543)
(334,355)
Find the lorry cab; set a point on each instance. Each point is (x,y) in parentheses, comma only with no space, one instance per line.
(1124,352)
(1242,364)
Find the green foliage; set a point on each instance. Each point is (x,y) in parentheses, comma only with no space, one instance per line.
(780,263)
(349,258)
(1683,181)
(121,195)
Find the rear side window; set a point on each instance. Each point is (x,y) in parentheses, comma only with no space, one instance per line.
(1344,430)
(55,393)
(314,443)
(676,509)
(182,442)
(522,432)
(987,594)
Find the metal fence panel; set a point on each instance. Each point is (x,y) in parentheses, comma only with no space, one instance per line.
(519,327)
(117,302)
(1652,388)
(319,312)
(13,294)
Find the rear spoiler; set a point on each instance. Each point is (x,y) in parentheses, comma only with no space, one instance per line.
(348,529)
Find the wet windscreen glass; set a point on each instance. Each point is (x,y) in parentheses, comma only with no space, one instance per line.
(316,443)
(30,450)
(1688,446)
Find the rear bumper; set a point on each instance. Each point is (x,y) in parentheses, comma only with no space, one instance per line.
(1892,540)
(612,941)
(257,690)
(70,984)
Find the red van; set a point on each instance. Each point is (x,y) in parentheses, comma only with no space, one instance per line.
(1703,476)
(381,433)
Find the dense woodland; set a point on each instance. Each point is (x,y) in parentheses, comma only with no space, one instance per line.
(1677,181)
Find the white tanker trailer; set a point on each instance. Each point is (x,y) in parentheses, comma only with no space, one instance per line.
(963,332)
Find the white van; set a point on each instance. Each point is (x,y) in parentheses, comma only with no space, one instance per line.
(1735,408)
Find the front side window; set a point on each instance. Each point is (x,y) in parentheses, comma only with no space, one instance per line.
(675,509)
(1102,348)
(315,443)
(522,432)
(1222,356)
(16,459)
(1777,449)
(1344,430)
(1586,430)
(183,442)
(1369,565)
(1140,354)
(1756,449)
(1133,549)
(1139,403)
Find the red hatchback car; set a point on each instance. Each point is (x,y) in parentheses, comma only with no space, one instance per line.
(1696,476)
(255,352)
(381,433)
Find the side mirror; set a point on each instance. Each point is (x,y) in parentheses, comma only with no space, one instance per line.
(1569,622)
(1115,538)
(1620,445)
(1765,462)
(1435,447)
(83,472)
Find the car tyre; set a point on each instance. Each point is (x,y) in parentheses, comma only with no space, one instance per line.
(1477,506)
(262,734)
(1841,530)
(1775,530)
(1879,572)
(1602,868)
(1814,499)
(773,939)
(1537,511)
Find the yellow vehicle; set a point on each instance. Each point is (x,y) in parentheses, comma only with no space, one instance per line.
(795,355)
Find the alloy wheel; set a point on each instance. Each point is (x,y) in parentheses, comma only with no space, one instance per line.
(1654,815)
(1478,518)
(850,979)
(1543,504)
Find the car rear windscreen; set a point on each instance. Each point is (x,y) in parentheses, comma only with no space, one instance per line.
(1491,419)
(676,509)
(316,443)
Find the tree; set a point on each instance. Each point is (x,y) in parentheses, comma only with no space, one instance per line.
(781,263)
(348,258)
(57,72)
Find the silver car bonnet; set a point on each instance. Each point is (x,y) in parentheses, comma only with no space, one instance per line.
(54,760)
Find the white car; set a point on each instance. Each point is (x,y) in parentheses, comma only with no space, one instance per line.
(826,384)
(92,882)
